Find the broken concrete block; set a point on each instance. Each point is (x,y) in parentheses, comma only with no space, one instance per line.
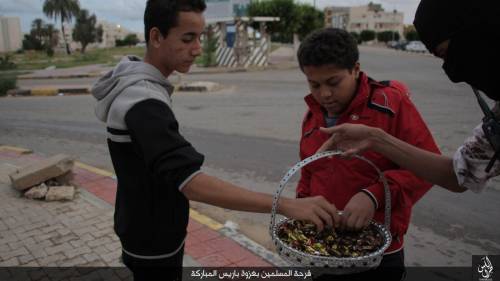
(63,192)
(37,192)
(41,171)
(65,179)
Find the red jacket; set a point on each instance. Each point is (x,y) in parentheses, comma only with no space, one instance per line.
(383,105)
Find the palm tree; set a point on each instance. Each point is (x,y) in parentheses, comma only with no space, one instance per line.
(52,38)
(65,9)
(37,29)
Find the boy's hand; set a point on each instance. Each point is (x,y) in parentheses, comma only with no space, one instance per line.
(358,212)
(314,209)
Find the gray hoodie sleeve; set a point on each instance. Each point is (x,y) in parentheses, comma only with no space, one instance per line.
(155,133)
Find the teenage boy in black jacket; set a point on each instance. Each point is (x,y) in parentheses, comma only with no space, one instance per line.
(157,170)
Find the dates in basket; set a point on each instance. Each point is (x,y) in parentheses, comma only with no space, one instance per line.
(303,237)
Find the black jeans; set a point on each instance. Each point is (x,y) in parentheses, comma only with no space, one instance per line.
(157,269)
(391,268)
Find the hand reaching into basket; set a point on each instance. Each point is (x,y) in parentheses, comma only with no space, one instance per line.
(357,213)
(350,138)
(314,209)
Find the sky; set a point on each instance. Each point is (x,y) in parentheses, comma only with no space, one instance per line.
(129,13)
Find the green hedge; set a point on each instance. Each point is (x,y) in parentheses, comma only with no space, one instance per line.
(7,83)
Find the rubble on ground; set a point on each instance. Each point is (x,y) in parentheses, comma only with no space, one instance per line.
(47,179)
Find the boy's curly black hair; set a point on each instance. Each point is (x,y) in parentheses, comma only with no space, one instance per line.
(328,46)
(163,14)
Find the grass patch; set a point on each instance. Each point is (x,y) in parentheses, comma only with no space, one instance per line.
(31,60)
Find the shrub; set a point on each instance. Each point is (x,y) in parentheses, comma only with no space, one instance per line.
(356,36)
(6,63)
(367,35)
(50,52)
(386,36)
(7,83)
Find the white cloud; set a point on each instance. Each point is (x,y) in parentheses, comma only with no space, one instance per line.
(20,6)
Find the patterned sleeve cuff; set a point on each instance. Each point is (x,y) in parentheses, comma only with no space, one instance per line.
(471,160)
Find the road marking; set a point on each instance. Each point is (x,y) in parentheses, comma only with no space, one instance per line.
(94,169)
(44,91)
(16,149)
(205,220)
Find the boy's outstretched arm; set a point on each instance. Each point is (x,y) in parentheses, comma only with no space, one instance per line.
(214,191)
(356,138)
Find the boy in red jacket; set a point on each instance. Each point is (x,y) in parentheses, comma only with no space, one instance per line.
(342,93)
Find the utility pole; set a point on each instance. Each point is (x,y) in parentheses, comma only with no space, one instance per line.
(393,23)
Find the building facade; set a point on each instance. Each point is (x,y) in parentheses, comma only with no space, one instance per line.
(11,37)
(367,17)
(219,9)
(110,33)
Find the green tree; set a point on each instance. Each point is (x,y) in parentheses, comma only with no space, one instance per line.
(37,29)
(209,48)
(310,20)
(386,36)
(30,42)
(286,10)
(63,9)
(129,40)
(41,37)
(367,35)
(85,30)
(410,33)
(51,39)
(356,36)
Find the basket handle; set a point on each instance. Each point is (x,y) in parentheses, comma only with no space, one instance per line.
(301,164)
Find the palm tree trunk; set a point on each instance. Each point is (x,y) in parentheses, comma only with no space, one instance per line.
(68,51)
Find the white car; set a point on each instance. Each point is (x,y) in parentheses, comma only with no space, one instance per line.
(416,46)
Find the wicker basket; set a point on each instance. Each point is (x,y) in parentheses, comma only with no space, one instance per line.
(336,265)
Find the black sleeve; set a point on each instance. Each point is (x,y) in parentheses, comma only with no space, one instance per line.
(155,131)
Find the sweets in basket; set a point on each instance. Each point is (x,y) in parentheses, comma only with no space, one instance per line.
(345,252)
(304,237)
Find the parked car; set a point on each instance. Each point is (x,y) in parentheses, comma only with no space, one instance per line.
(416,46)
(401,45)
(392,44)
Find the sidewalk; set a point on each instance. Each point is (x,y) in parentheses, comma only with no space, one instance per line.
(284,58)
(80,232)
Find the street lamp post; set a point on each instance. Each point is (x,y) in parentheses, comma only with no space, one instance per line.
(393,23)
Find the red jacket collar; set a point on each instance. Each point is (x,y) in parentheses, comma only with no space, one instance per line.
(361,97)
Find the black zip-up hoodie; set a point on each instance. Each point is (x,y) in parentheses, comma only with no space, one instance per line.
(152,161)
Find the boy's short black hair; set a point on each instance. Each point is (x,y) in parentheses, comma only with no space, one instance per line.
(163,14)
(328,46)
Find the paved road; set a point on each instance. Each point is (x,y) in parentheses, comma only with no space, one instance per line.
(249,132)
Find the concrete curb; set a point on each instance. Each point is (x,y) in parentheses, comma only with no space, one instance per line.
(232,234)
(48,91)
(200,86)
(90,75)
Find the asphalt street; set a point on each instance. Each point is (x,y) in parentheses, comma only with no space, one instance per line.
(249,133)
